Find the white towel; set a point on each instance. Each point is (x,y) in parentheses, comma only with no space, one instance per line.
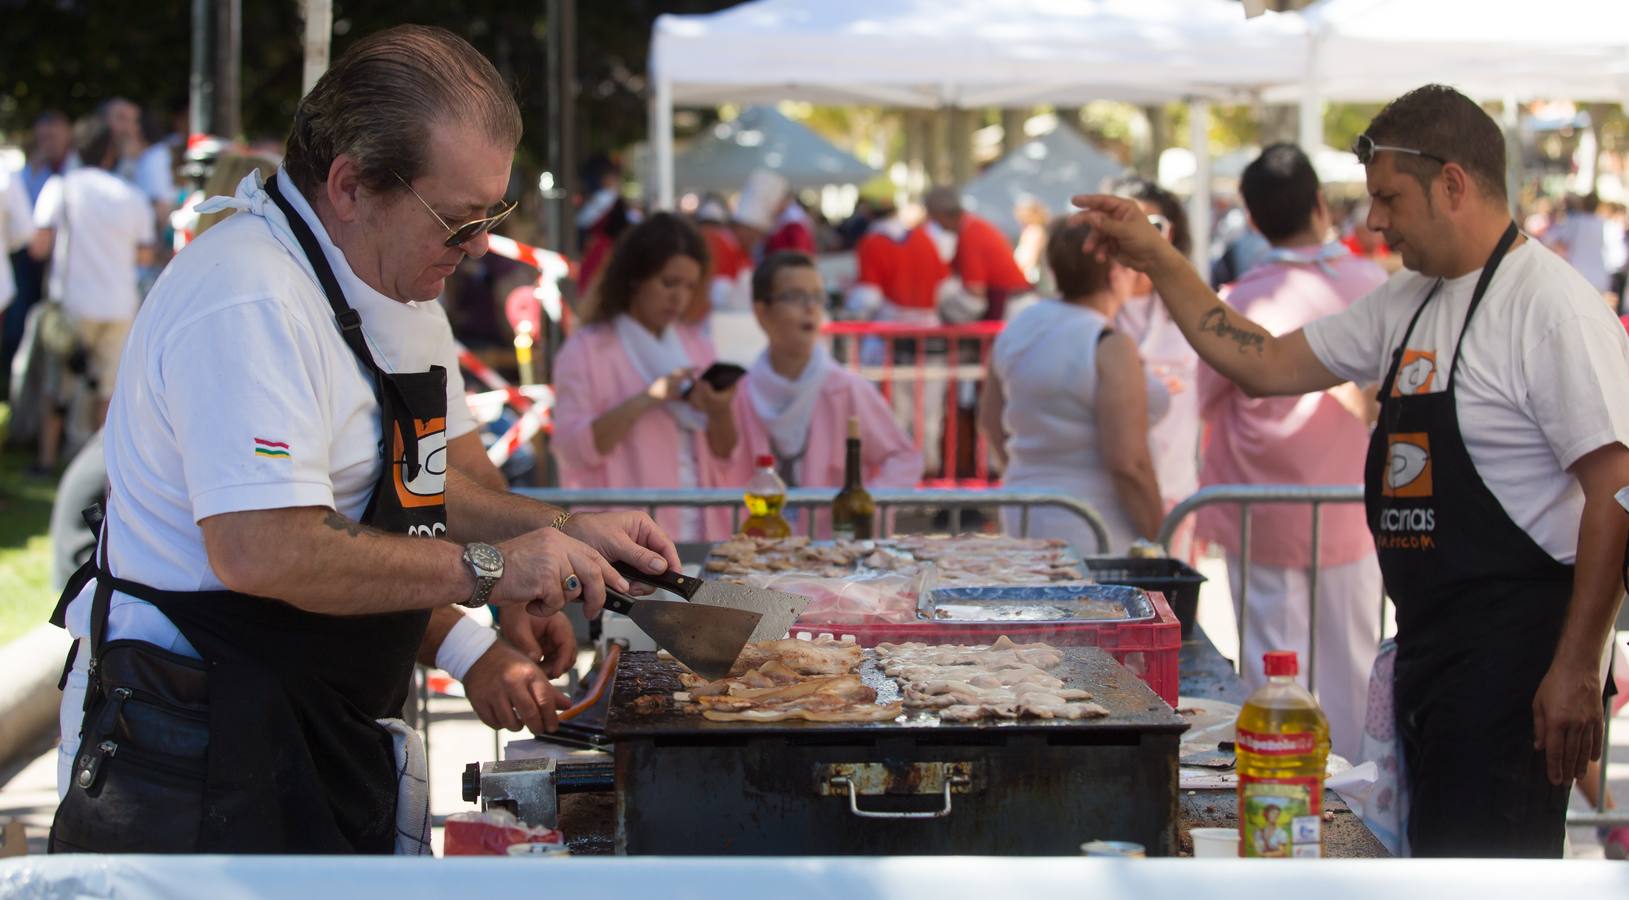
(412,790)
(787,406)
(653,357)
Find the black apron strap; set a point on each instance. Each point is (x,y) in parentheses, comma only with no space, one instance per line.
(349,320)
(1498,255)
(1397,355)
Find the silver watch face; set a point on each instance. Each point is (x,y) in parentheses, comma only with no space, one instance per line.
(484,557)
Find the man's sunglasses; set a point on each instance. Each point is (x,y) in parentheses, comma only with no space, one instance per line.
(1365,148)
(468,231)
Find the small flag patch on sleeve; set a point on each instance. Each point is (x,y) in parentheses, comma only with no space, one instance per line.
(274,449)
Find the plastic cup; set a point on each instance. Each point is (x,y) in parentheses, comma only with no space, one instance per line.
(1215,843)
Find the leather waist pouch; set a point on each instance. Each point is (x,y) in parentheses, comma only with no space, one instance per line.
(137,785)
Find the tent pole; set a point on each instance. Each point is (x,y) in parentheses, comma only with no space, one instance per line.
(1199,200)
(1311,126)
(1510,118)
(661,142)
(1312,119)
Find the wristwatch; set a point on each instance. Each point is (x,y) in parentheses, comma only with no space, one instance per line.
(486,564)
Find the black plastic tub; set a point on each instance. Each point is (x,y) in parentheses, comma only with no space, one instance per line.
(1177,580)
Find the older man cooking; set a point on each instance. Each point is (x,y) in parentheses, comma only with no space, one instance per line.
(283,535)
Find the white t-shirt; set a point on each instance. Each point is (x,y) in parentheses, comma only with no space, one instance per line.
(16,227)
(236,349)
(1544,381)
(1583,236)
(100,222)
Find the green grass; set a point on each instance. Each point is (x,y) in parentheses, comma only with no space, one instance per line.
(26,597)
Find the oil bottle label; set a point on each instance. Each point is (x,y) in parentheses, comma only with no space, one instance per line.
(1302,744)
(1281,817)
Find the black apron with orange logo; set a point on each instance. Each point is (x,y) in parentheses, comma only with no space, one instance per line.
(1479,611)
(269,743)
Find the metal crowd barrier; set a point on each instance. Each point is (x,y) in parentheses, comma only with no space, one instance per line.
(1319,496)
(808,501)
(947,359)
(1247,496)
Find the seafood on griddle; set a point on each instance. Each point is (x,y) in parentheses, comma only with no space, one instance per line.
(969,683)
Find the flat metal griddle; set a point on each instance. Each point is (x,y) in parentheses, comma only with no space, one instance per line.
(1132,704)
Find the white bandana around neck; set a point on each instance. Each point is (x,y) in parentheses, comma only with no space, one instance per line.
(654,358)
(787,406)
(1299,257)
(392,328)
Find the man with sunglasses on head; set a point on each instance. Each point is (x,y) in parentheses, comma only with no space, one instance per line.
(286,531)
(1489,480)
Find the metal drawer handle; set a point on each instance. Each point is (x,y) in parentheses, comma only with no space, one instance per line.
(854,801)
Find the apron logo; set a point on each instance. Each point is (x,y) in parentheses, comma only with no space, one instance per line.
(1416,373)
(427,488)
(1408,465)
(271,449)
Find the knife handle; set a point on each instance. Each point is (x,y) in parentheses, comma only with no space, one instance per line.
(678,583)
(618,602)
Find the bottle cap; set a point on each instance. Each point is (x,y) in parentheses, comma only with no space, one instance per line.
(764,462)
(1280,662)
(854,427)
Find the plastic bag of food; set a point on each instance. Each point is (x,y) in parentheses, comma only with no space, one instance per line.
(492,833)
(856,599)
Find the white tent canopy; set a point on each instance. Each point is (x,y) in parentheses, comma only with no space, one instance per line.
(964,53)
(1051,168)
(1176,167)
(762,138)
(933,53)
(1374,50)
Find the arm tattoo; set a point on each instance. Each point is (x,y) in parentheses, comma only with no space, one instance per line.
(339,523)
(1216,322)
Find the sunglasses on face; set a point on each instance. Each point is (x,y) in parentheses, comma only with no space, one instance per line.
(468,231)
(1365,148)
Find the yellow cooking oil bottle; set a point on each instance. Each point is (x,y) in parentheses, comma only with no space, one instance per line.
(765,497)
(1282,749)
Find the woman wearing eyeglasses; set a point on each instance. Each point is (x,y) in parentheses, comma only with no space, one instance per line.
(630,411)
(795,401)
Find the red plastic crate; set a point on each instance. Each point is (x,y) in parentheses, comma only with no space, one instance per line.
(1147,648)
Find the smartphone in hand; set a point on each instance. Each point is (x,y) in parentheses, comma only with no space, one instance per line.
(721,375)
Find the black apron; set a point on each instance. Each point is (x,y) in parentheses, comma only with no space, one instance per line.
(1479,612)
(269,743)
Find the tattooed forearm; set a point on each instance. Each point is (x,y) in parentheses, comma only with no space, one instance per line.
(339,523)
(1216,322)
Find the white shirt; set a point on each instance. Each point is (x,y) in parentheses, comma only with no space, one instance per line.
(100,222)
(1583,236)
(16,227)
(1545,378)
(236,349)
(1047,361)
(237,346)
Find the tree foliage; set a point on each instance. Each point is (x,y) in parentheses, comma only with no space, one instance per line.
(71,54)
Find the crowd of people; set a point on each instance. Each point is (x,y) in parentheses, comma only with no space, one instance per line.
(87,221)
(290,421)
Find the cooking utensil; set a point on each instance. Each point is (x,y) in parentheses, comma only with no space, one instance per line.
(778,609)
(705,638)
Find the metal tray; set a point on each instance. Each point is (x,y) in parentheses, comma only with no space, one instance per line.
(1075,601)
